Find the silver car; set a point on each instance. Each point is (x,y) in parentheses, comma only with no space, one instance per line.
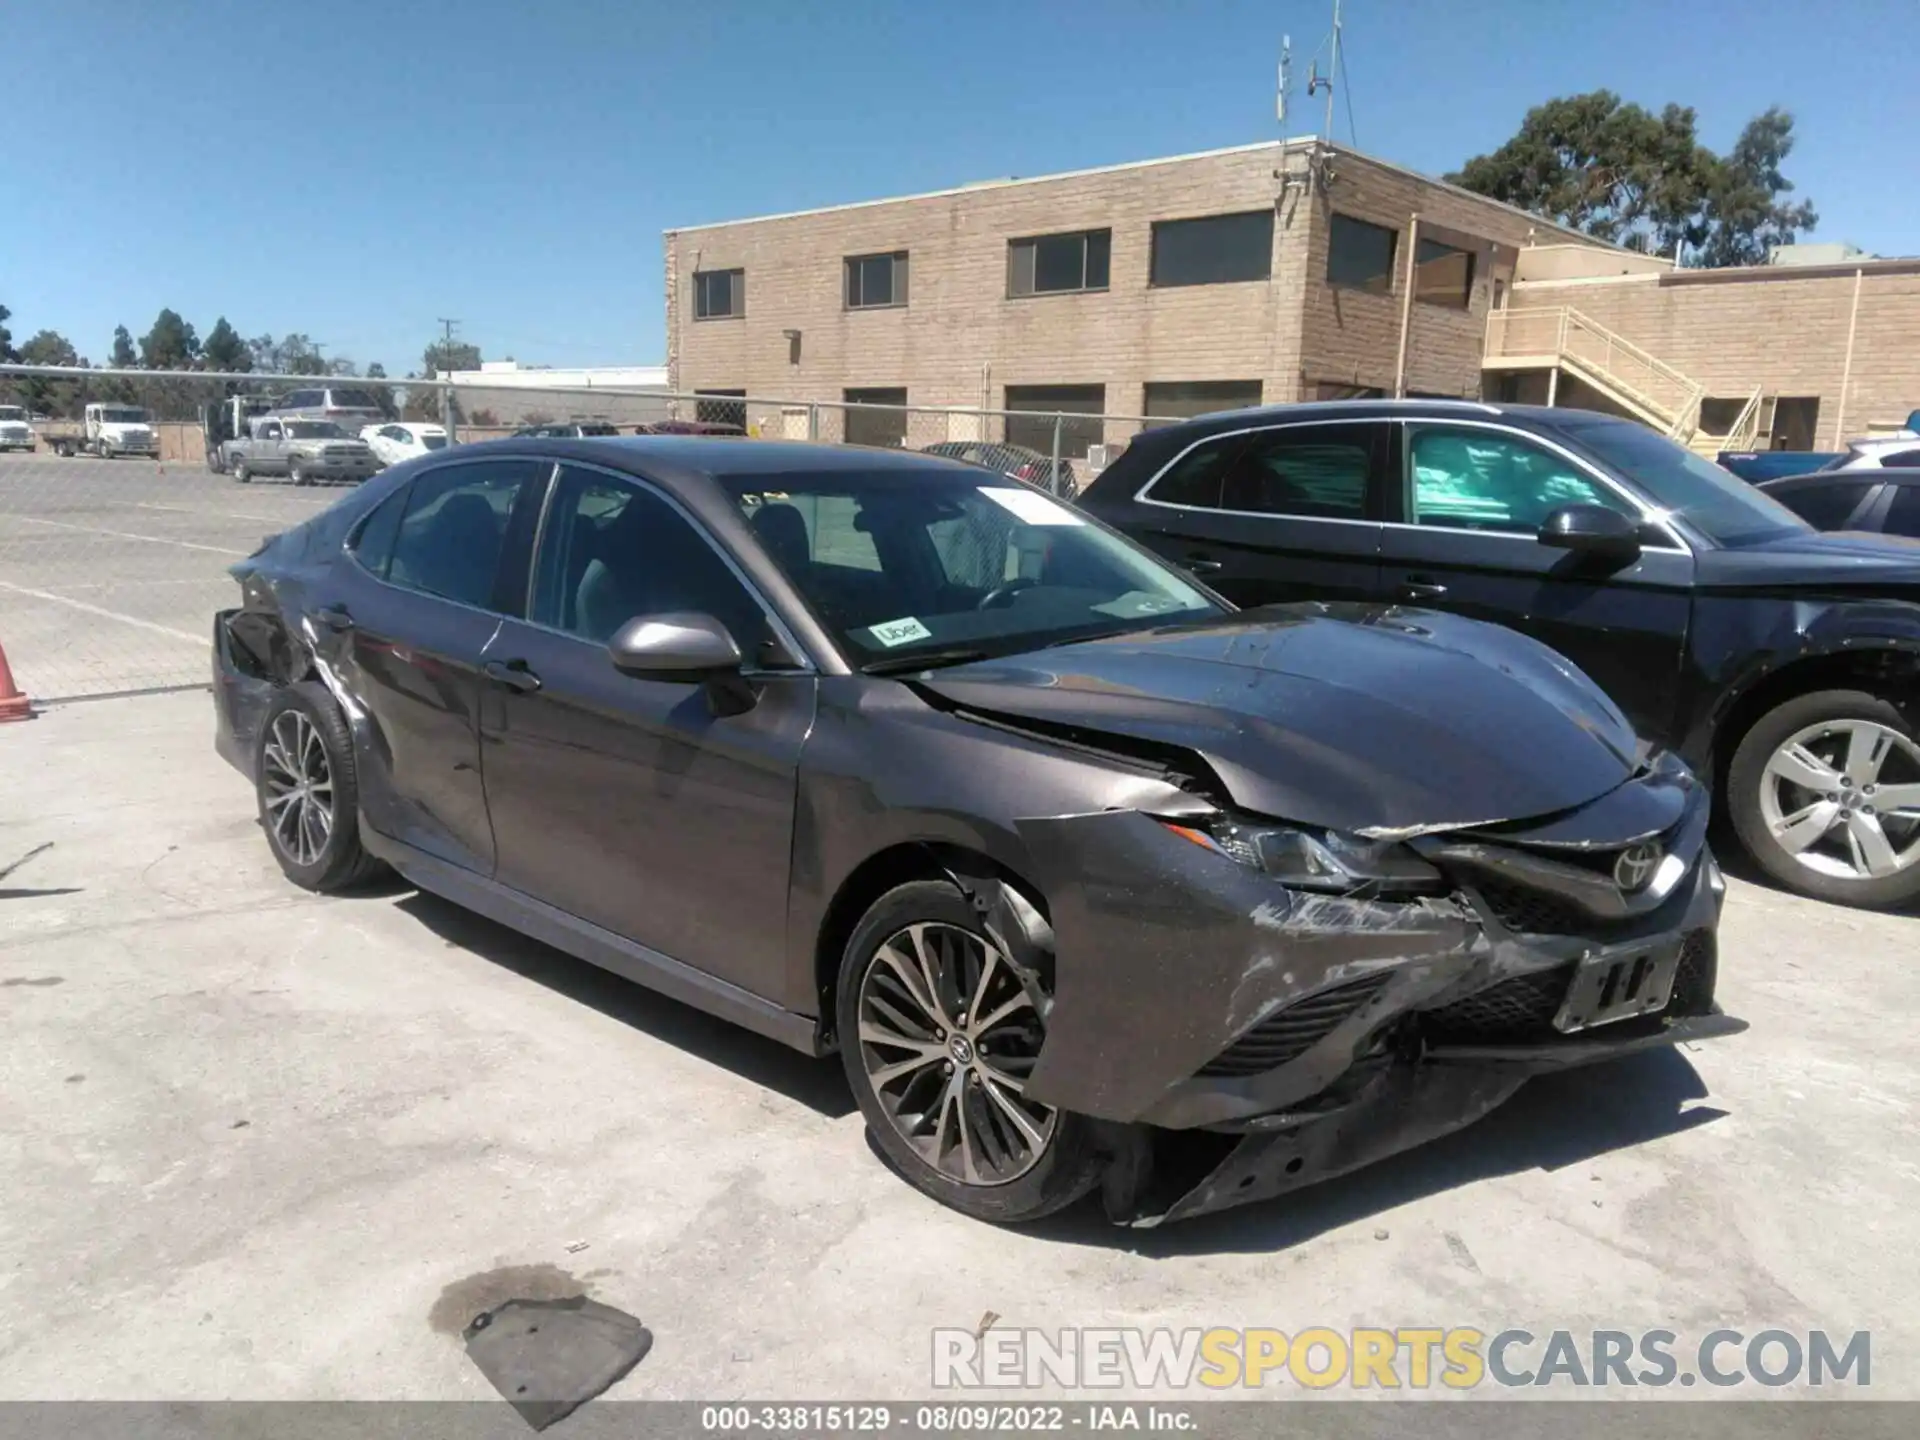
(305,451)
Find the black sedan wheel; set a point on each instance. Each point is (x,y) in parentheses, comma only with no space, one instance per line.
(1825,795)
(938,1035)
(309,804)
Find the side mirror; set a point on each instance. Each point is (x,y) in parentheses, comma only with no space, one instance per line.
(684,645)
(1592,530)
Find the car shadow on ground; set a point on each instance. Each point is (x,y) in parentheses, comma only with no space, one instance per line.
(1553,1123)
(817,1084)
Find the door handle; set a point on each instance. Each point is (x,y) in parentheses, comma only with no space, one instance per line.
(1200,563)
(334,617)
(1421,587)
(513,674)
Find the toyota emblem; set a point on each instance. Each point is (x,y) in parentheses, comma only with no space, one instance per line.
(1635,867)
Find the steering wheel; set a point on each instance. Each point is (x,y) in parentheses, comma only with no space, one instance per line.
(1001,594)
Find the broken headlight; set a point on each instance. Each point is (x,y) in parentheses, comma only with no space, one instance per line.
(1306,858)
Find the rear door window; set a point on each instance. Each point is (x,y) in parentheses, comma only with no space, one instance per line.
(1825,507)
(1316,471)
(1903,515)
(454,530)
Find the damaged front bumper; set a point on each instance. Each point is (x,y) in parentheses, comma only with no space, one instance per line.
(1306,1035)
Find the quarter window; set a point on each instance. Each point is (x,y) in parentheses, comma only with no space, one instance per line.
(372,545)
(1053,264)
(1212,250)
(875,282)
(719,294)
(1360,254)
(1482,480)
(450,539)
(612,551)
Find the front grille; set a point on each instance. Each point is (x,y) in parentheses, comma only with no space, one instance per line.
(1693,979)
(1535,912)
(1295,1030)
(1519,1008)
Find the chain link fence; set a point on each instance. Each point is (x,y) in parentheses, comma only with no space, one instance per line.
(121,508)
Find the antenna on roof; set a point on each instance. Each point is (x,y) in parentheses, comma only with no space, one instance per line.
(1286,83)
(1316,82)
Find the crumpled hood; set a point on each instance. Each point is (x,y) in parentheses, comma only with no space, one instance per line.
(1354,717)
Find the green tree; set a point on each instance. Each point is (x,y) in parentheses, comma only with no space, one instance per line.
(376,371)
(1747,200)
(170,344)
(6,337)
(43,394)
(124,357)
(1623,174)
(223,348)
(442,356)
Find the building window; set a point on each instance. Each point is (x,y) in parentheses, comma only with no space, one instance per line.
(1180,399)
(719,294)
(1442,274)
(721,407)
(1213,250)
(876,426)
(1360,255)
(1053,264)
(1082,406)
(875,282)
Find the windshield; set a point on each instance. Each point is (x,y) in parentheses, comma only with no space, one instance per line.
(899,564)
(354,400)
(12,412)
(315,430)
(122,415)
(433,440)
(1722,507)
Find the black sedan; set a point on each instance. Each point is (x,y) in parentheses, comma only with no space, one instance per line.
(1782,663)
(884,754)
(1883,502)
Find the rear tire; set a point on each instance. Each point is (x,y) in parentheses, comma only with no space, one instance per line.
(1016,1183)
(1816,728)
(306,791)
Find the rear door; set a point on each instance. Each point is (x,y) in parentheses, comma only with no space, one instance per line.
(431,569)
(1278,513)
(1463,536)
(641,805)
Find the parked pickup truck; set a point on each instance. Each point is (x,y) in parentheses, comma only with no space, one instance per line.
(108,431)
(303,450)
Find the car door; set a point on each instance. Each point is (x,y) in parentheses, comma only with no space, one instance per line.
(405,624)
(1277,513)
(1464,536)
(268,454)
(644,806)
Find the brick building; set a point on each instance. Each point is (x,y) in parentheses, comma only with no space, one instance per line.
(1263,273)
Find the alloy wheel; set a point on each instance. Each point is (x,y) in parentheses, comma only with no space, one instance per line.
(948,1036)
(299,787)
(1842,797)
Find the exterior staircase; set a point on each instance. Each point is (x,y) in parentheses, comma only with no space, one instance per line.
(1560,341)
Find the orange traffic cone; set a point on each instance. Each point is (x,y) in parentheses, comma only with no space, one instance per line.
(13,705)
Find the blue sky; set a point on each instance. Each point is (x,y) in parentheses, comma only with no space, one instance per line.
(355,170)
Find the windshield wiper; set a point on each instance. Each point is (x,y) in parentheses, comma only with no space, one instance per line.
(922,660)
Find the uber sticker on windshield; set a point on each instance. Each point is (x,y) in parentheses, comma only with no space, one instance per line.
(1032,508)
(899,632)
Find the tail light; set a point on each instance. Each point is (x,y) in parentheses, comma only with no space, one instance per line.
(1028,471)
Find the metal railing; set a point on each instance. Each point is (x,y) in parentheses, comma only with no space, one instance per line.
(1564,336)
(111,570)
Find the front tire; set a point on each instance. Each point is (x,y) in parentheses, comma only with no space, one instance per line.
(241,474)
(943,1092)
(297,473)
(1824,793)
(309,801)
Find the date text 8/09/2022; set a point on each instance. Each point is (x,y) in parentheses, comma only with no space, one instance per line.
(942,1418)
